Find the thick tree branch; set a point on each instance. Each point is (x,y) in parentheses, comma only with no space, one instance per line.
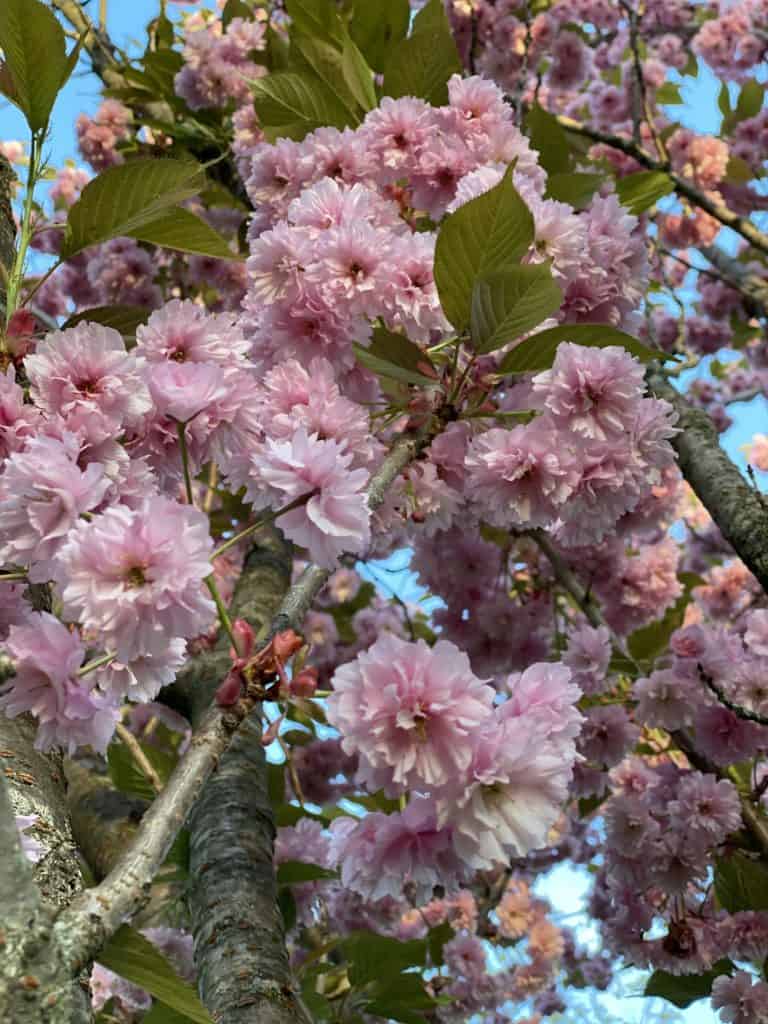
(714,207)
(243,969)
(739,510)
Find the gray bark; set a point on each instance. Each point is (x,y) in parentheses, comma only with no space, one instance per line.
(240,955)
(739,510)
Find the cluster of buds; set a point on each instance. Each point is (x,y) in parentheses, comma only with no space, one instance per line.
(260,675)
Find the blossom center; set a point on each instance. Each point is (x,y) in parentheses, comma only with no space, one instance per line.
(135,577)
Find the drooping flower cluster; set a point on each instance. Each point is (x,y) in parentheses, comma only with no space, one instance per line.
(493,777)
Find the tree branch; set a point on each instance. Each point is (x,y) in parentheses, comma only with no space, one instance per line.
(565,577)
(243,969)
(738,509)
(714,207)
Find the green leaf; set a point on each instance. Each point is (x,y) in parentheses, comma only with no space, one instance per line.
(124,319)
(647,643)
(489,232)
(668,92)
(741,883)
(684,989)
(128,778)
(318,18)
(326,61)
(133,957)
(235,9)
(290,105)
(392,355)
(588,804)
(724,100)
(422,64)
(402,1000)
(436,940)
(376,957)
(36,60)
(297,737)
(292,872)
(692,66)
(550,139)
(276,783)
(538,352)
(358,75)
(750,101)
(184,231)
(377,26)
(511,302)
(159,1014)
(639,191)
(573,187)
(287,903)
(124,198)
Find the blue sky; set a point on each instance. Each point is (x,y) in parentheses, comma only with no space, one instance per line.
(566,888)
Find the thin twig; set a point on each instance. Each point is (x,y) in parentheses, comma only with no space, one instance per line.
(142,761)
(738,709)
(714,207)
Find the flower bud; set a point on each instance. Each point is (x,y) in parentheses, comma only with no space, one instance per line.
(286,643)
(304,683)
(229,691)
(244,639)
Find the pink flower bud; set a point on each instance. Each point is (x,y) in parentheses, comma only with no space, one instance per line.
(229,691)
(304,683)
(244,639)
(286,644)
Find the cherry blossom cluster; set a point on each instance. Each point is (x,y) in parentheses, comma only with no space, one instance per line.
(490,778)
(90,499)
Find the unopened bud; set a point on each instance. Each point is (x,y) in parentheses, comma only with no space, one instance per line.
(304,683)
(286,644)
(229,691)
(244,639)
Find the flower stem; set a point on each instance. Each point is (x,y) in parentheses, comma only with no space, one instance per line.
(16,276)
(181,428)
(296,503)
(12,577)
(142,761)
(89,666)
(221,608)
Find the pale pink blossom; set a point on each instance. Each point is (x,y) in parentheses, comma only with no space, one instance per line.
(520,476)
(135,576)
(69,712)
(182,390)
(381,854)
(587,656)
(336,518)
(184,331)
(410,711)
(86,368)
(756,636)
(594,392)
(517,783)
(43,491)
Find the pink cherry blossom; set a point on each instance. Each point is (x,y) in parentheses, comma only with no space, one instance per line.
(43,491)
(336,518)
(381,854)
(135,576)
(70,713)
(409,711)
